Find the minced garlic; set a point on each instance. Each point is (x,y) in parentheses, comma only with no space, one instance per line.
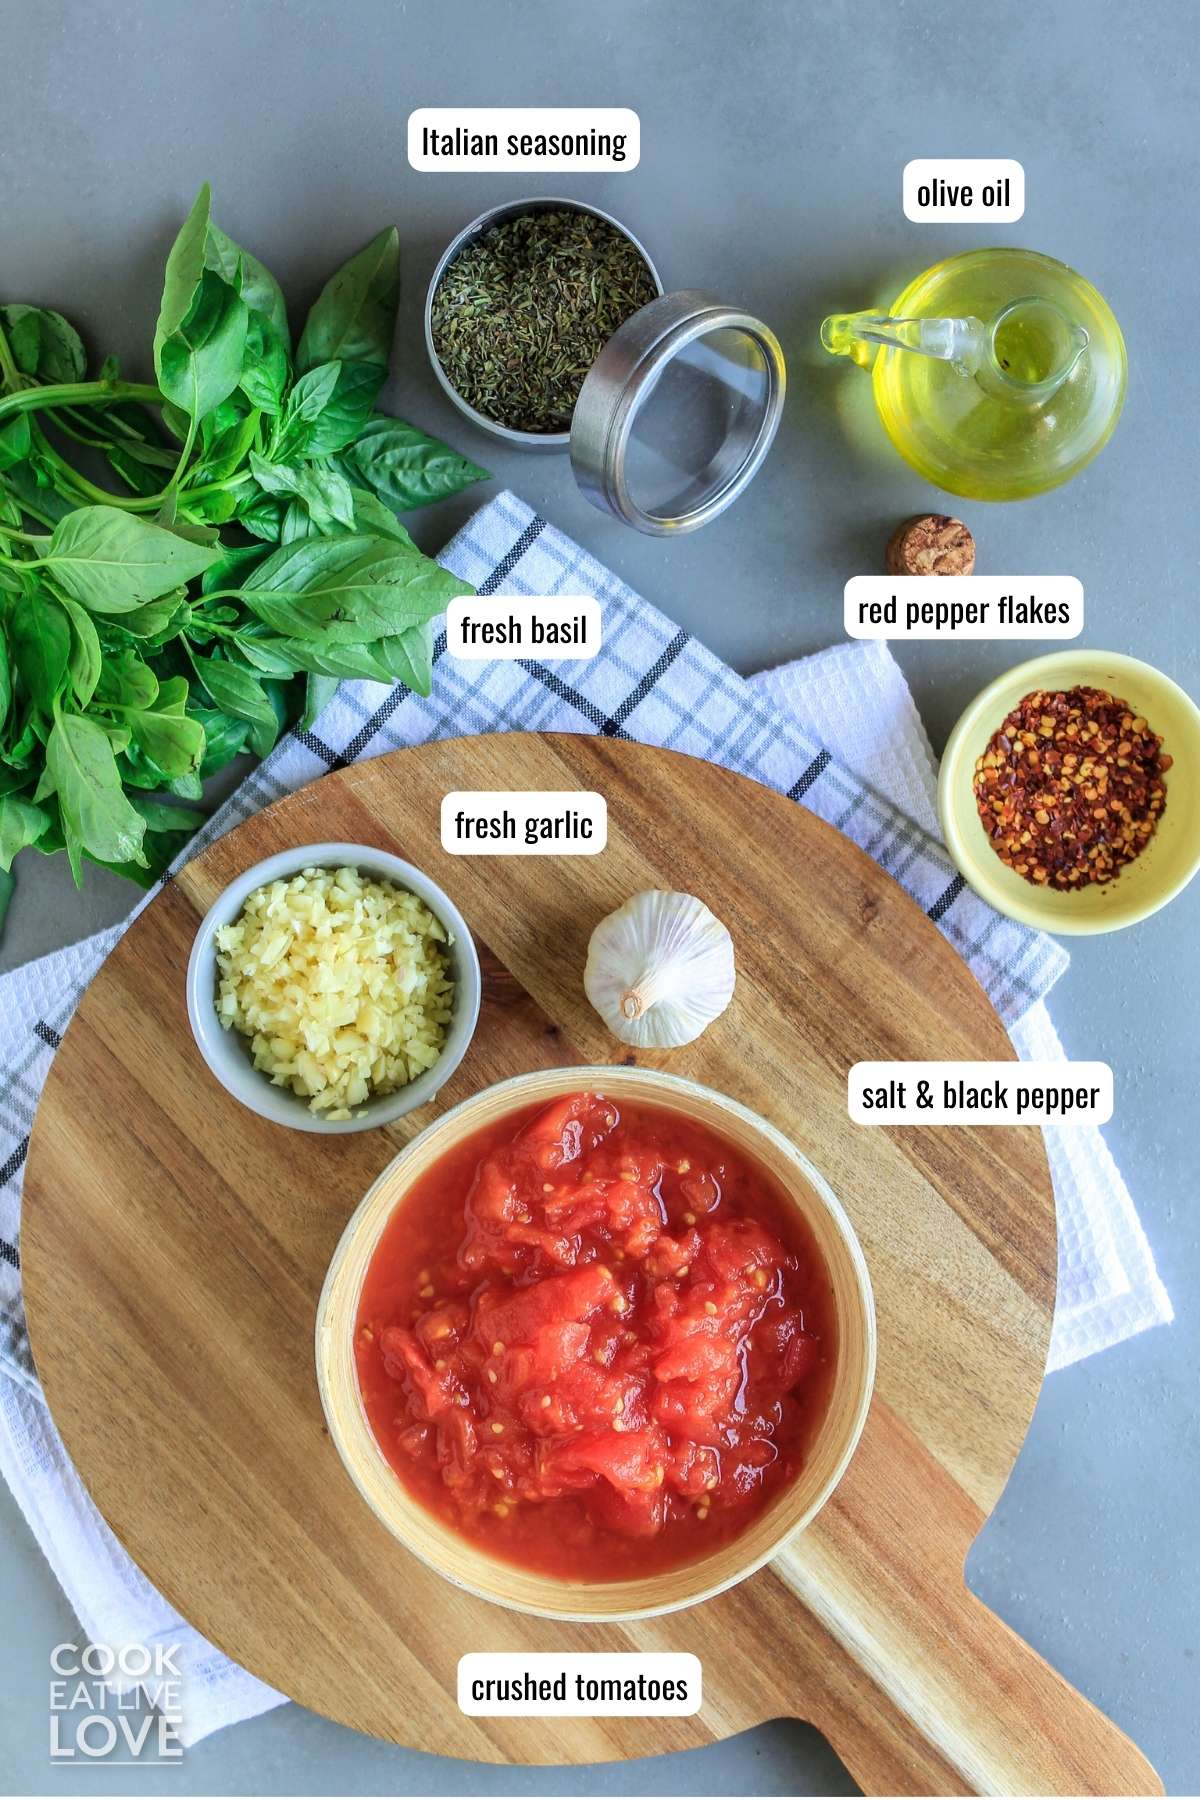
(341,983)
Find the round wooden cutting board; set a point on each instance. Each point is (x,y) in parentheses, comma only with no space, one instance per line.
(174,1246)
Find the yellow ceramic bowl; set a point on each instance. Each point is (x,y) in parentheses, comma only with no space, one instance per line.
(1172,856)
(622,1597)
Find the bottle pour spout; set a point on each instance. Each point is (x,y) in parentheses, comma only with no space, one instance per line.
(1022,356)
(857,335)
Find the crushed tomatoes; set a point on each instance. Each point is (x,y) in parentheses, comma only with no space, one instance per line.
(595,1338)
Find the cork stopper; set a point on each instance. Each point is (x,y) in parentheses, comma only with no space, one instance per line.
(931,544)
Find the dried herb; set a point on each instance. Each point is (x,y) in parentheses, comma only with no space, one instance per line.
(521,315)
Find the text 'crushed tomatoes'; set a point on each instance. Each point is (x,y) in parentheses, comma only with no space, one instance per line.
(595,1339)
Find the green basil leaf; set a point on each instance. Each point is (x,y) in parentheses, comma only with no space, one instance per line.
(73,845)
(354,316)
(310,566)
(390,594)
(345,407)
(16,441)
(153,456)
(226,437)
(32,486)
(159,852)
(269,656)
(261,514)
(341,662)
(159,619)
(405,467)
(298,523)
(175,744)
(173,693)
(21,752)
(324,491)
(224,738)
(114,562)
(266,368)
(138,477)
(237,692)
(233,567)
(175,420)
(288,616)
(348,590)
(95,812)
(186,787)
(43,343)
(53,839)
(39,636)
(139,771)
(213,509)
(232,412)
(21,823)
(127,681)
(253,281)
(130,426)
(374,519)
(188,529)
(161,817)
(349,407)
(409,658)
(184,270)
(87,658)
(310,396)
(7,888)
(299,586)
(318,692)
(118,734)
(6,682)
(195,533)
(200,363)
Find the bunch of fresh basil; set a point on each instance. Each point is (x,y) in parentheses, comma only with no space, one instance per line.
(252,559)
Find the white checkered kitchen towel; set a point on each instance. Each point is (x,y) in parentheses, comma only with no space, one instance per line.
(838,733)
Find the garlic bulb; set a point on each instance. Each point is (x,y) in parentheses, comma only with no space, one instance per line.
(660,969)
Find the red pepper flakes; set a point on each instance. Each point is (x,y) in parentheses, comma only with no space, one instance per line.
(1071,787)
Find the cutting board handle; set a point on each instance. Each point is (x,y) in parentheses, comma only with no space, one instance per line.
(1013,1727)
(926,1691)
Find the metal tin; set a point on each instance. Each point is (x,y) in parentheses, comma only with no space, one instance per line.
(663,342)
(623,376)
(522,440)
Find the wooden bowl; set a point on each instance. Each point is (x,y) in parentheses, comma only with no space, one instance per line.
(526,1590)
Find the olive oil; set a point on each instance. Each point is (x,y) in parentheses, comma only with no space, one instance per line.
(998,374)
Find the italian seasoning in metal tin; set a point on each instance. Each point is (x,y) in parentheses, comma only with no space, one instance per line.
(521,314)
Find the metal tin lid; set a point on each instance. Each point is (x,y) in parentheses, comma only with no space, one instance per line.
(677,413)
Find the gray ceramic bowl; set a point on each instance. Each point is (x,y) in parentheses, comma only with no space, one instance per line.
(228,1054)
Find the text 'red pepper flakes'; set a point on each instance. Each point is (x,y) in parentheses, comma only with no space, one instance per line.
(1071,787)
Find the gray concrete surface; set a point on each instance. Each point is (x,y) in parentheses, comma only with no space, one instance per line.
(773,139)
